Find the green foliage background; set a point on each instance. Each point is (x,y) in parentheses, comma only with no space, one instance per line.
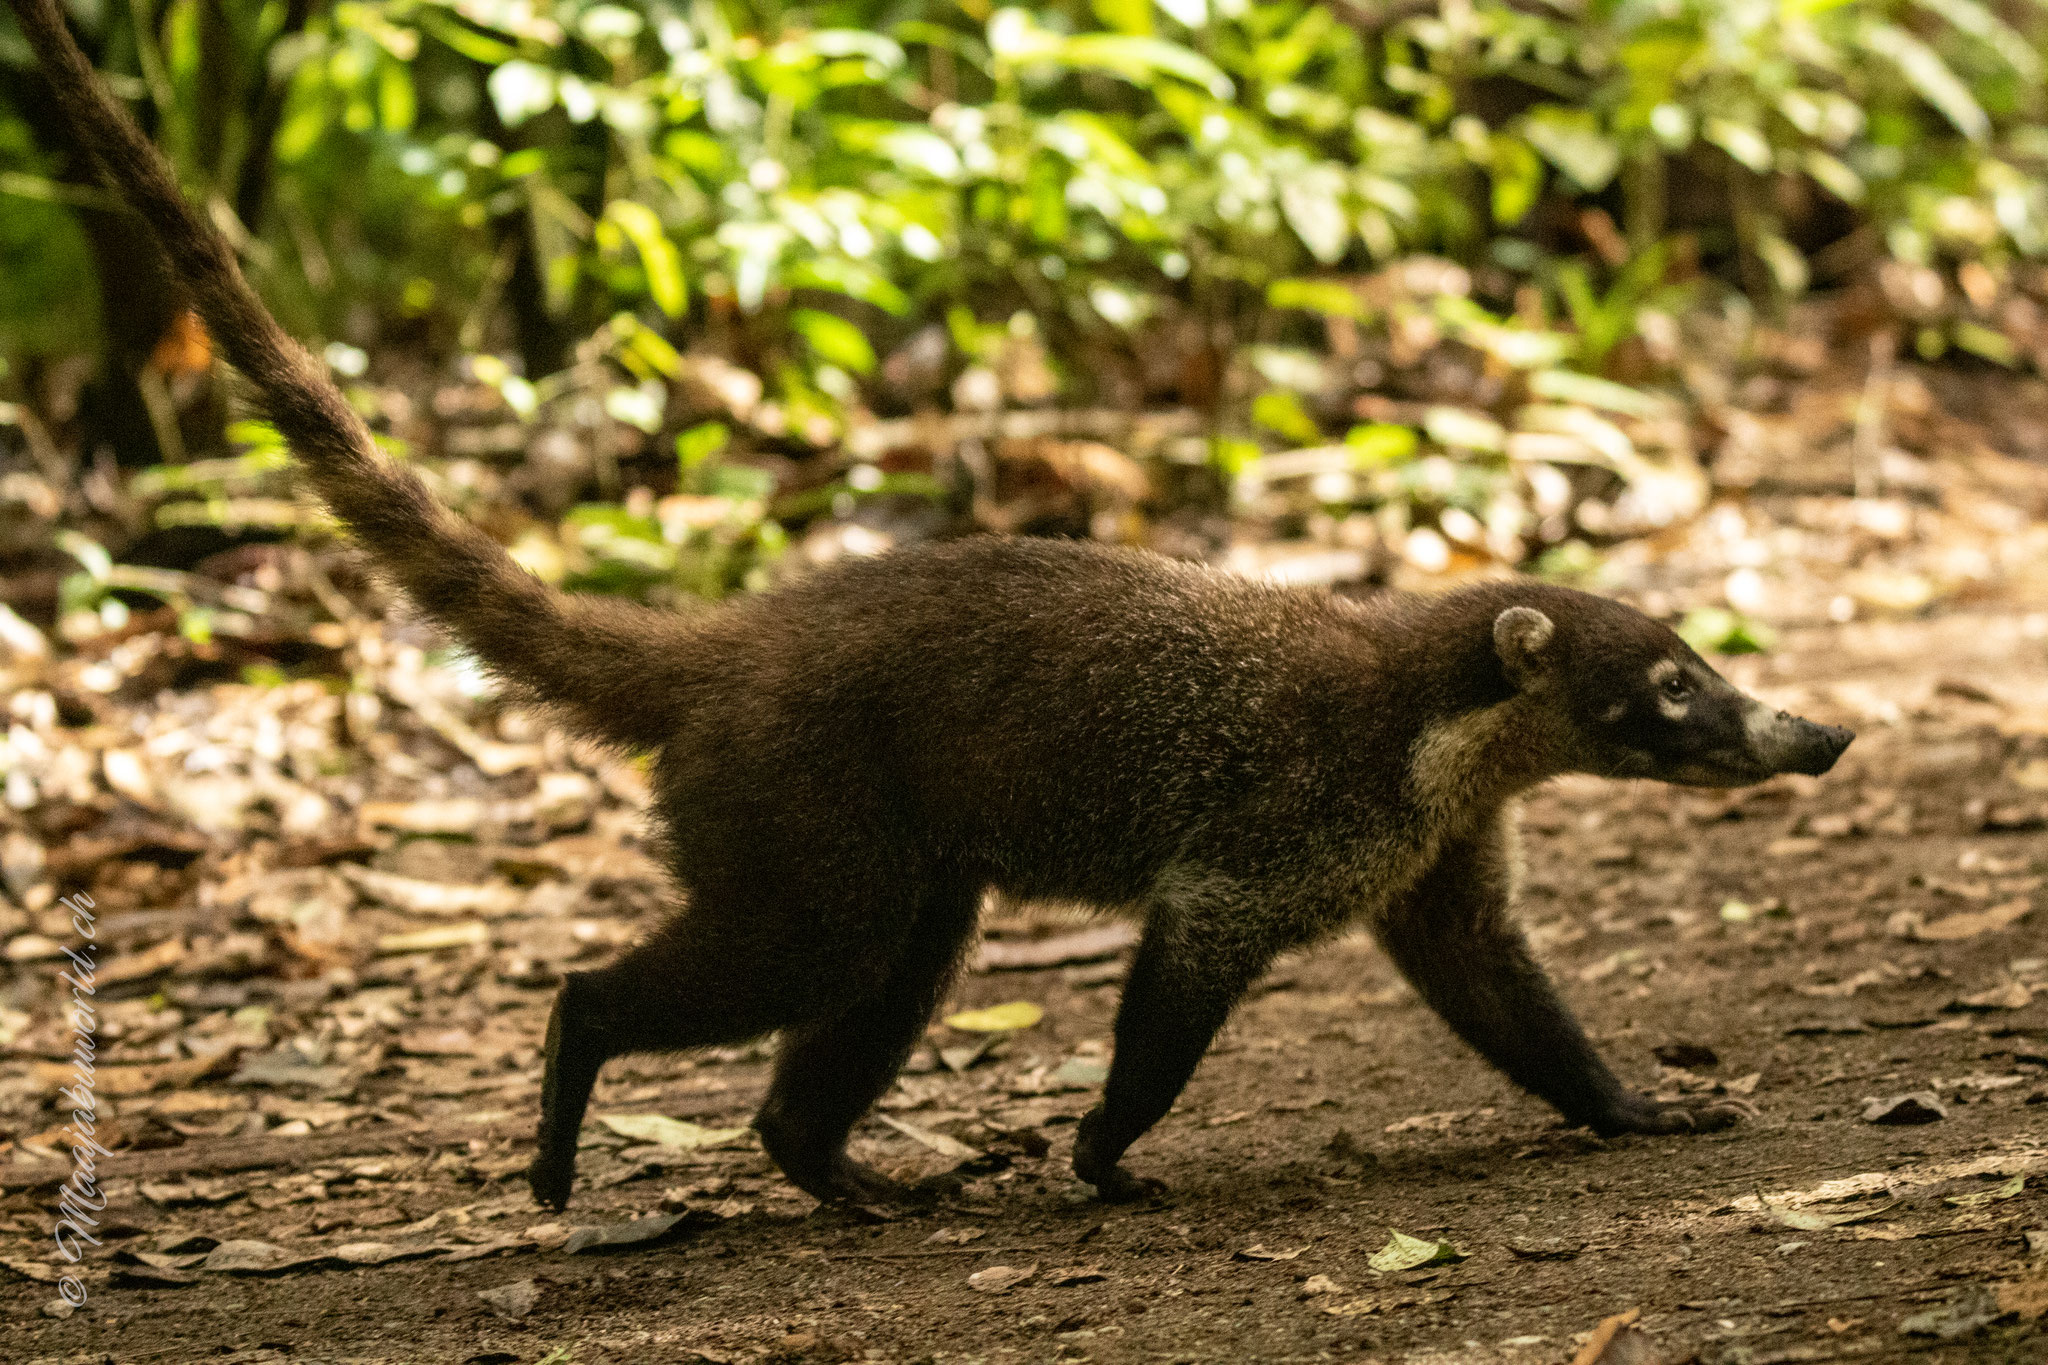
(546,187)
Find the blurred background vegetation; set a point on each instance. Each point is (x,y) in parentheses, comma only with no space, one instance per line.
(672,296)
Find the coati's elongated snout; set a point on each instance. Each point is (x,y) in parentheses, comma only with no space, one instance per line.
(1786,743)
(1639,702)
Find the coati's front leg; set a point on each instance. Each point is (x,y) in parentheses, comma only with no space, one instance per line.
(1455,938)
(1200,953)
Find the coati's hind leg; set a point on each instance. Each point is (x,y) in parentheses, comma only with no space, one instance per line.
(733,966)
(1201,951)
(657,998)
(1455,938)
(828,1074)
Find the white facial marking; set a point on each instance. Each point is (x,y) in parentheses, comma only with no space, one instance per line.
(1761,724)
(1663,671)
(1614,712)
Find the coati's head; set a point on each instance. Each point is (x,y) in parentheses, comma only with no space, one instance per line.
(1638,702)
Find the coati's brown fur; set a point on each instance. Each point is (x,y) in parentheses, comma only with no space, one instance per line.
(845,765)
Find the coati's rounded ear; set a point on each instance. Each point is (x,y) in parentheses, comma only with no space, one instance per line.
(1519,637)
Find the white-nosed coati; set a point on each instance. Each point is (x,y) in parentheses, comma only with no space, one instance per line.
(845,765)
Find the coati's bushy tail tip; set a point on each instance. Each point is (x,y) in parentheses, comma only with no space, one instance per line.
(580,655)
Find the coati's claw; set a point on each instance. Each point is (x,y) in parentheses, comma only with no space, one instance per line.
(1640,1114)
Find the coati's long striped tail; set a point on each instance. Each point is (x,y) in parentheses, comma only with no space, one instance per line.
(598,661)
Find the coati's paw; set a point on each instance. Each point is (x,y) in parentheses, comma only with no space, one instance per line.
(1119,1186)
(1641,1114)
(1097,1166)
(849,1182)
(551,1180)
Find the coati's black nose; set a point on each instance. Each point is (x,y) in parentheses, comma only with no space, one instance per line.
(1816,747)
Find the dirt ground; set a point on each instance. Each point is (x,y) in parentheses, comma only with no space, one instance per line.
(1810,946)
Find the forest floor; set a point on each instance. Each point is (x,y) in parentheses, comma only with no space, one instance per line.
(331,920)
(1809,945)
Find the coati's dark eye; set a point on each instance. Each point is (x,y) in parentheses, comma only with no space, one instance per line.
(1676,687)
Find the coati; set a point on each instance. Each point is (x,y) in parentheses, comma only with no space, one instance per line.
(843,766)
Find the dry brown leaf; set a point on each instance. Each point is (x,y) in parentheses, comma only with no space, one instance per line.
(459,815)
(945,1146)
(1085,945)
(2010,996)
(136,966)
(492,900)
(474,933)
(2026,1299)
(1258,1252)
(1000,1279)
(1971,923)
(581,857)
(140,1080)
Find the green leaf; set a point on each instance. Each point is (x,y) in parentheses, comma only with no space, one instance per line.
(1125,16)
(1280,412)
(1016,38)
(1570,386)
(851,278)
(699,443)
(1136,59)
(1717,630)
(1834,175)
(1317,296)
(1984,343)
(1403,1252)
(1742,142)
(1464,429)
(396,105)
(1081,1071)
(1018,1014)
(885,52)
(658,255)
(521,90)
(742,482)
(834,340)
(1312,200)
(1233,457)
(1977,20)
(1083,137)
(1573,142)
(1785,261)
(196,624)
(1381,444)
(1517,179)
(90,554)
(1930,78)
